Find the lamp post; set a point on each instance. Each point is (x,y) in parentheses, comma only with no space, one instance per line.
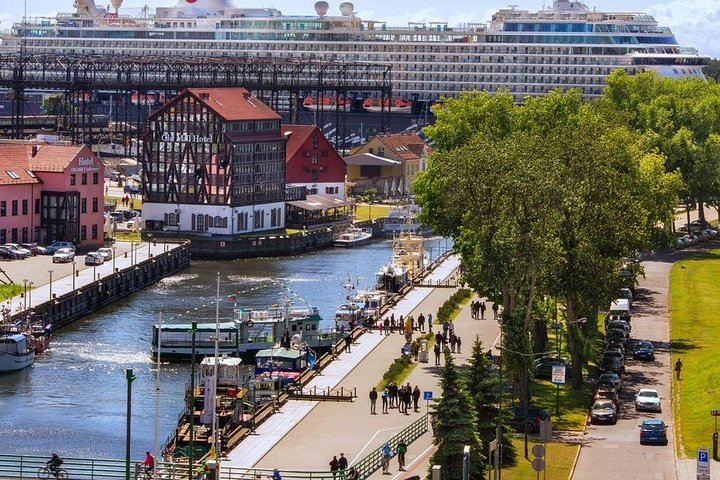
(130,378)
(50,272)
(73,264)
(30,293)
(25,293)
(191,407)
(113,249)
(149,241)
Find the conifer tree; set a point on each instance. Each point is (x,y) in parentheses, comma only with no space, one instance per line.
(483,386)
(456,427)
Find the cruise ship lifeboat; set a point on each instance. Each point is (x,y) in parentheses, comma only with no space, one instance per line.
(327,103)
(395,104)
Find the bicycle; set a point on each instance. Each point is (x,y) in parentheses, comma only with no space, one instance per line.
(46,473)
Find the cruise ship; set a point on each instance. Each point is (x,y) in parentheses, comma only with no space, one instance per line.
(529,53)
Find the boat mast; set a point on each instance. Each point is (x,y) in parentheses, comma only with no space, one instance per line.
(157,389)
(215,436)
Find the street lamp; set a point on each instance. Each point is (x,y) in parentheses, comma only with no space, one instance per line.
(113,249)
(130,378)
(73,264)
(25,293)
(50,272)
(149,241)
(30,293)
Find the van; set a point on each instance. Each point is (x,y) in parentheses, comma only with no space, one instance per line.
(620,306)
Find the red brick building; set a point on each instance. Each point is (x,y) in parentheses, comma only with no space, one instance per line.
(311,161)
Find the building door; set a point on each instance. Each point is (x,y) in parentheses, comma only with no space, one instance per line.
(14,235)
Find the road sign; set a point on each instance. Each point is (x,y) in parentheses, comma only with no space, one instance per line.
(493,446)
(538,451)
(538,464)
(427,395)
(545,430)
(558,373)
(715,413)
(703,461)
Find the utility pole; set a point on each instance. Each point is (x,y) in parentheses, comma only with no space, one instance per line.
(130,378)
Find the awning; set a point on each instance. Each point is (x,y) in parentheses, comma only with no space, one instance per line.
(320,202)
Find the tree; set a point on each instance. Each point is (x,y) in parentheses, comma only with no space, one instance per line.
(456,427)
(712,69)
(484,388)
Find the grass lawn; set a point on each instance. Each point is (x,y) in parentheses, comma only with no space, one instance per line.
(9,291)
(574,404)
(367,212)
(695,338)
(559,459)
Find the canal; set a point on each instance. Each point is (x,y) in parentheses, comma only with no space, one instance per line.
(73,399)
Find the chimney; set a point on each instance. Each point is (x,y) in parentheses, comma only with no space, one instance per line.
(247,95)
(204,96)
(34,151)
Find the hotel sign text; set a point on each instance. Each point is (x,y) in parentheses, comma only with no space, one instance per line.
(185,137)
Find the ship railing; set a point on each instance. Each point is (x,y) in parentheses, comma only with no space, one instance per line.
(27,466)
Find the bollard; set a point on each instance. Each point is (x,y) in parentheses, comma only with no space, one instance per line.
(436,472)
(715,446)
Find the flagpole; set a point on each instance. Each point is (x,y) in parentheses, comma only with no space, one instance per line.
(157,393)
(216,437)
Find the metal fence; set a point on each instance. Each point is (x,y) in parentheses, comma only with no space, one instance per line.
(27,466)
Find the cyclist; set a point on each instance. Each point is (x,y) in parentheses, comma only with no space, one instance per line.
(149,464)
(54,463)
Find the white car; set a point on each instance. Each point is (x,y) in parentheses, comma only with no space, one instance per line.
(105,252)
(648,399)
(710,232)
(64,255)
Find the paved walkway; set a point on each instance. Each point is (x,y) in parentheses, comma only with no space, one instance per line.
(36,271)
(310,433)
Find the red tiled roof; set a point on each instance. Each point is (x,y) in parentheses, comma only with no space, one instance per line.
(296,135)
(14,158)
(53,158)
(405,145)
(234,103)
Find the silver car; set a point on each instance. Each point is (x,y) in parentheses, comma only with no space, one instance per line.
(64,255)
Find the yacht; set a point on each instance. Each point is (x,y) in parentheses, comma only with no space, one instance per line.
(566,45)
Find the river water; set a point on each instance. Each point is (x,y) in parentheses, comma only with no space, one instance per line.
(73,400)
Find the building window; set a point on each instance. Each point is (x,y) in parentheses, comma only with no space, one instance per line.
(37,206)
(3,235)
(72,179)
(315,159)
(95,204)
(381,151)
(94,232)
(24,235)
(3,209)
(83,179)
(83,205)
(316,141)
(219,222)
(14,207)
(95,178)
(83,232)
(171,219)
(25,206)
(259,219)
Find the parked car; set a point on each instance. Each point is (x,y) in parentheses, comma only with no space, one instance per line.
(8,254)
(607,390)
(64,255)
(612,377)
(643,350)
(94,258)
(57,245)
(106,252)
(34,248)
(603,411)
(648,399)
(518,420)
(710,232)
(543,367)
(132,189)
(611,364)
(614,352)
(653,430)
(21,252)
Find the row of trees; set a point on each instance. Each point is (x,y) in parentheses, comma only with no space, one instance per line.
(544,200)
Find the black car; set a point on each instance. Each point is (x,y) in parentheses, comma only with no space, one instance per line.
(611,364)
(518,420)
(7,254)
(543,367)
(643,351)
(34,248)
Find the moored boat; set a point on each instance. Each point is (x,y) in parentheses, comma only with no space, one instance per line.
(403,218)
(16,352)
(353,237)
(408,259)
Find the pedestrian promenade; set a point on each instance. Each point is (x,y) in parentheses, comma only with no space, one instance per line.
(306,435)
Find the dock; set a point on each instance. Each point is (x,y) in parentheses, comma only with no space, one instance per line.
(305,434)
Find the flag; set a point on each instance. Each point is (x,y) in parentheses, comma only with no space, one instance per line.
(232,298)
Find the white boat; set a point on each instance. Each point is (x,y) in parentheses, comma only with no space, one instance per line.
(528,53)
(16,353)
(353,237)
(403,218)
(408,260)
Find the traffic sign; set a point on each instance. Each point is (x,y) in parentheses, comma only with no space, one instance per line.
(558,373)
(703,461)
(538,464)
(715,413)
(538,451)
(427,395)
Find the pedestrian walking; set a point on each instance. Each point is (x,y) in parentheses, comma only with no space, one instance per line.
(386,452)
(436,350)
(373,400)
(678,368)
(416,398)
(334,465)
(342,464)
(453,340)
(393,389)
(386,324)
(385,396)
(392,322)
(429,321)
(401,450)
(421,322)
(495,308)
(482,310)
(458,343)
(348,342)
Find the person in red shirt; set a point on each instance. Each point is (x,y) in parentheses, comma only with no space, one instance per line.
(149,463)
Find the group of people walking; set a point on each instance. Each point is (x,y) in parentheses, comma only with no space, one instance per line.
(387,453)
(478,307)
(339,466)
(404,325)
(401,397)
